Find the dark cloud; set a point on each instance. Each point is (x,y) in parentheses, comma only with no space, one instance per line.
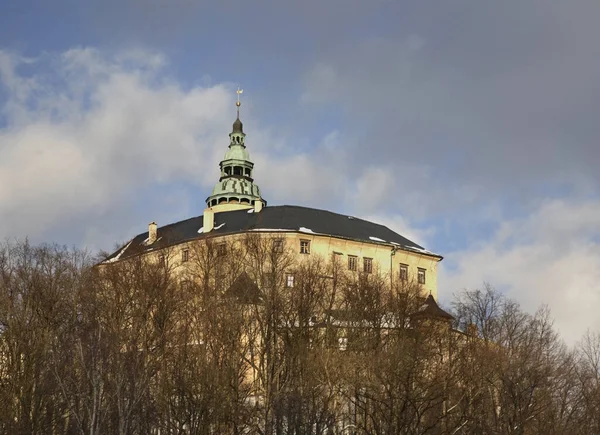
(499,97)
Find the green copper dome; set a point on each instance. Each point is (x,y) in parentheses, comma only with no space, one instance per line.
(237,152)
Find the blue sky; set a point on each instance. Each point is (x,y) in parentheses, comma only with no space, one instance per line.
(470,127)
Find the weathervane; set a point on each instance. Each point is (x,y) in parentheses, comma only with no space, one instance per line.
(238,104)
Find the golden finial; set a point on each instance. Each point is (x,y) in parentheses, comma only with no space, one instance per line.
(239,92)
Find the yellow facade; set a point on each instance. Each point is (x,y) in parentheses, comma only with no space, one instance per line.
(386,259)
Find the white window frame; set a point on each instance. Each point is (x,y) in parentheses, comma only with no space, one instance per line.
(403,272)
(289,280)
(352,262)
(305,247)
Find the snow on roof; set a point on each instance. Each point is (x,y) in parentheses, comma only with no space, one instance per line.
(201,230)
(414,248)
(116,257)
(268,229)
(376,239)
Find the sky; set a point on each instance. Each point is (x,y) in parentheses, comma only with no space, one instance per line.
(469,127)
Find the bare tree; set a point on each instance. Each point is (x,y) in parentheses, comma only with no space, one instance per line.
(244,337)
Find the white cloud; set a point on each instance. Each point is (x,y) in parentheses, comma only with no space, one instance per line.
(550,257)
(294,176)
(88,134)
(373,188)
(87,130)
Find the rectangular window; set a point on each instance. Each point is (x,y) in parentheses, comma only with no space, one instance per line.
(404,272)
(185,255)
(367,265)
(161,260)
(352,260)
(421,276)
(221,249)
(305,246)
(278,245)
(343,343)
(289,280)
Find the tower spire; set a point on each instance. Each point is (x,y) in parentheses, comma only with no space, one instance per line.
(238,103)
(237,125)
(236,188)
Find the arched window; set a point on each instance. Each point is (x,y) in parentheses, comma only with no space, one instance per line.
(227,170)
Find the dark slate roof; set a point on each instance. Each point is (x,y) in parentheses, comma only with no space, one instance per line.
(431,309)
(284,217)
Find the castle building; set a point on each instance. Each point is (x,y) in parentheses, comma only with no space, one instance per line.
(236,207)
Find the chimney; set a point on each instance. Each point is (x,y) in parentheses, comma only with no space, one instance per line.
(258,205)
(208,220)
(152,232)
